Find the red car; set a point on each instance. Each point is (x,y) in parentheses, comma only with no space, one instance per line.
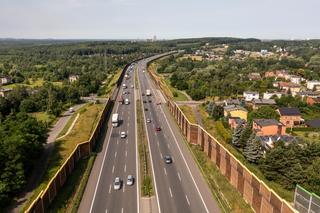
(158,128)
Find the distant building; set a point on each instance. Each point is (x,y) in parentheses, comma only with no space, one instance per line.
(288,86)
(254,76)
(296,79)
(263,127)
(232,102)
(269,74)
(235,111)
(315,123)
(234,122)
(312,101)
(282,73)
(308,93)
(268,141)
(269,95)
(5,80)
(290,116)
(73,78)
(4,92)
(249,96)
(312,84)
(256,103)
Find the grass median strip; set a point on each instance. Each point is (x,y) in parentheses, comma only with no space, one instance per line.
(145,170)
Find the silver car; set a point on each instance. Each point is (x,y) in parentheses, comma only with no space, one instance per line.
(117,183)
(130,180)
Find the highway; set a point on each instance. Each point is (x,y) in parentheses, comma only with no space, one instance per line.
(118,158)
(179,186)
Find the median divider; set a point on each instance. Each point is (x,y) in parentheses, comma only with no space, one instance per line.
(84,149)
(253,190)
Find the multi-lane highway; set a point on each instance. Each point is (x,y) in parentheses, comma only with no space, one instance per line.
(179,186)
(117,159)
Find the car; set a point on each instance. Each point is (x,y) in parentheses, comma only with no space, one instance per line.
(132,86)
(123,135)
(117,183)
(71,110)
(130,180)
(158,128)
(148,120)
(167,159)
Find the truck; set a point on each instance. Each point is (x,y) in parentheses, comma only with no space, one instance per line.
(115,119)
(126,101)
(148,92)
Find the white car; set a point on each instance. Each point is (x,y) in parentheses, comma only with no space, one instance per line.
(132,86)
(117,183)
(130,180)
(148,120)
(123,135)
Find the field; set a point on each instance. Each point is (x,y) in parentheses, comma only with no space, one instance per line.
(31,83)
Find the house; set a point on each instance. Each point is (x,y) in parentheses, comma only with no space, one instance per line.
(254,76)
(312,84)
(235,111)
(73,78)
(267,142)
(256,103)
(4,92)
(5,80)
(315,123)
(282,73)
(296,79)
(249,96)
(269,74)
(290,116)
(308,93)
(234,122)
(312,100)
(288,86)
(232,102)
(268,95)
(263,127)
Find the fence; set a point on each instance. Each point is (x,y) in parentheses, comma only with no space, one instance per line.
(44,199)
(253,190)
(306,202)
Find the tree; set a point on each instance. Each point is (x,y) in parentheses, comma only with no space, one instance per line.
(313,176)
(237,134)
(245,135)
(266,112)
(252,151)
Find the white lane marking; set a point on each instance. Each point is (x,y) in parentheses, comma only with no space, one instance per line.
(179,176)
(123,187)
(110,189)
(117,142)
(165,171)
(103,162)
(161,155)
(106,210)
(158,143)
(122,210)
(188,200)
(170,192)
(127,141)
(112,169)
(168,145)
(125,168)
(115,154)
(126,153)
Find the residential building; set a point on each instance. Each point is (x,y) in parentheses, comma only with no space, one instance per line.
(312,101)
(73,78)
(254,76)
(256,103)
(269,95)
(4,92)
(290,116)
(232,102)
(5,80)
(282,73)
(312,84)
(267,142)
(296,79)
(315,123)
(308,93)
(235,111)
(269,74)
(263,127)
(249,96)
(234,122)
(288,86)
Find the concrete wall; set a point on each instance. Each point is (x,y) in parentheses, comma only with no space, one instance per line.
(253,190)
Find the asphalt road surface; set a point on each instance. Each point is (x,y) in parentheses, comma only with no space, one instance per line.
(179,186)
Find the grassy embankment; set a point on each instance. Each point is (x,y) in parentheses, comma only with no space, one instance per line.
(110,83)
(82,130)
(229,199)
(210,126)
(171,91)
(32,83)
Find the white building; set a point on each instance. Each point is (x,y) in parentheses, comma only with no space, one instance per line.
(249,96)
(296,79)
(312,84)
(269,95)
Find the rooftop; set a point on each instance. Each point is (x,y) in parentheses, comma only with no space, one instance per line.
(234,107)
(267,122)
(315,123)
(264,101)
(291,111)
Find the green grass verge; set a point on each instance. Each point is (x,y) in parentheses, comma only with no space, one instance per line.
(44,117)
(70,195)
(110,82)
(31,83)
(209,125)
(187,110)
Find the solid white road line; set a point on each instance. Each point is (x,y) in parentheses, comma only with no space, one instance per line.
(170,192)
(103,161)
(176,141)
(188,200)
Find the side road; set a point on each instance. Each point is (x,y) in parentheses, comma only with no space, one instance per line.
(41,165)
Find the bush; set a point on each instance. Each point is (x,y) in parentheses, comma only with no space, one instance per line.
(175,94)
(223,132)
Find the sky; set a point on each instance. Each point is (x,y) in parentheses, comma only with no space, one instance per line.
(167,19)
